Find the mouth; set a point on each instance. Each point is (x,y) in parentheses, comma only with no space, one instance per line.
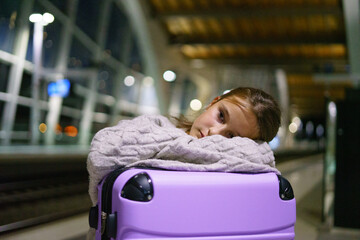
(201,134)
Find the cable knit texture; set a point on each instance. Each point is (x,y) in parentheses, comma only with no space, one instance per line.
(153,141)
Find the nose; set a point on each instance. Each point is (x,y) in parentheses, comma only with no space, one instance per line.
(217,130)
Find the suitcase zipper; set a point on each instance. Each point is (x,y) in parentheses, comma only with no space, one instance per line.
(103,222)
(106,198)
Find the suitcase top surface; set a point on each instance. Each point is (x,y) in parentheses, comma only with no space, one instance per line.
(204,203)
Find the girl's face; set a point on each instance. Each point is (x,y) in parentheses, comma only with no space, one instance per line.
(226,118)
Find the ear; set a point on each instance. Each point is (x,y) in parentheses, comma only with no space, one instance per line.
(215,100)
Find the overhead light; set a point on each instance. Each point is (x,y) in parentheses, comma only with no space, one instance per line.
(45,18)
(226,91)
(293,127)
(297,121)
(332,109)
(195,104)
(35,17)
(48,17)
(129,81)
(169,76)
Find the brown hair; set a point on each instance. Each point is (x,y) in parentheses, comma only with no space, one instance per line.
(263,105)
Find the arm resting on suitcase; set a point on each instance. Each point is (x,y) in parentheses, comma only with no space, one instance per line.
(152,141)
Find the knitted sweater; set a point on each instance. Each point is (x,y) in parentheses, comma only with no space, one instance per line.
(153,141)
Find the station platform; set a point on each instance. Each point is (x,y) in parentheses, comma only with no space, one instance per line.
(304,173)
(48,153)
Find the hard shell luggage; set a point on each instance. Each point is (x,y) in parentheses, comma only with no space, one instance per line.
(160,204)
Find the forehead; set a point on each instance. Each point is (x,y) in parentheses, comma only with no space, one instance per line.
(238,101)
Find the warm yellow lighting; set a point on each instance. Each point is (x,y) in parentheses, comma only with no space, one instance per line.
(42,127)
(71,131)
(148,81)
(293,127)
(58,129)
(195,104)
(332,109)
(297,121)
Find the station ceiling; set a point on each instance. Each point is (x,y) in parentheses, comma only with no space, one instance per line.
(303,37)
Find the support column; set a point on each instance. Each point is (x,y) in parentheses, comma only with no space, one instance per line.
(90,101)
(125,57)
(352,20)
(55,102)
(284,103)
(140,25)
(88,111)
(176,97)
(35,86)
(16,70)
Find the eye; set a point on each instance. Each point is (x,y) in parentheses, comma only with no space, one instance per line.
(221,116)
(230,135)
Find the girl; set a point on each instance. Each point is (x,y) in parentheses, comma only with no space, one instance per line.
(244,112)
(231,135)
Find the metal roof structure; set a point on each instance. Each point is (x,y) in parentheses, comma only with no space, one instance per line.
(303,37)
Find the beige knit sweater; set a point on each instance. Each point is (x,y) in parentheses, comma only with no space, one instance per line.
(154,141)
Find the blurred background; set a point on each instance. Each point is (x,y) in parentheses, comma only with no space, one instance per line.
(69,68)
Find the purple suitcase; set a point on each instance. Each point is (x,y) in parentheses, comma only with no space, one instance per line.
(160,204)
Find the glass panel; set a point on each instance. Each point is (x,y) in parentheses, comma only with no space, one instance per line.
(105,83)
(67,130)
(25,89)
(21,125)
(87,17)
(131,93)
(118,28)
(74,99)
(4,70)
(61,5)
(8,15)
(135,58)
(79,55)
(190,89)
(51,44)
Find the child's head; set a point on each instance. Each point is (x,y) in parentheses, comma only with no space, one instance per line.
(244,111)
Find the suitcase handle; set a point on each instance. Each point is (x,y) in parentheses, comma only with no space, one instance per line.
(94,216)
(110,225)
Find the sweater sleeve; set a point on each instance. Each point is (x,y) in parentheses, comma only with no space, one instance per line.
(154,141)
(127,142)
(217,153)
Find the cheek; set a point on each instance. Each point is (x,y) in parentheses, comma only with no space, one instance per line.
(206,119)
(200,120)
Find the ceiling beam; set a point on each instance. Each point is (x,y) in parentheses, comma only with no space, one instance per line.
(266,61)
(230,40)
(246,13)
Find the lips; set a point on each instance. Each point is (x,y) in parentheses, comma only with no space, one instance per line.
(201,134)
